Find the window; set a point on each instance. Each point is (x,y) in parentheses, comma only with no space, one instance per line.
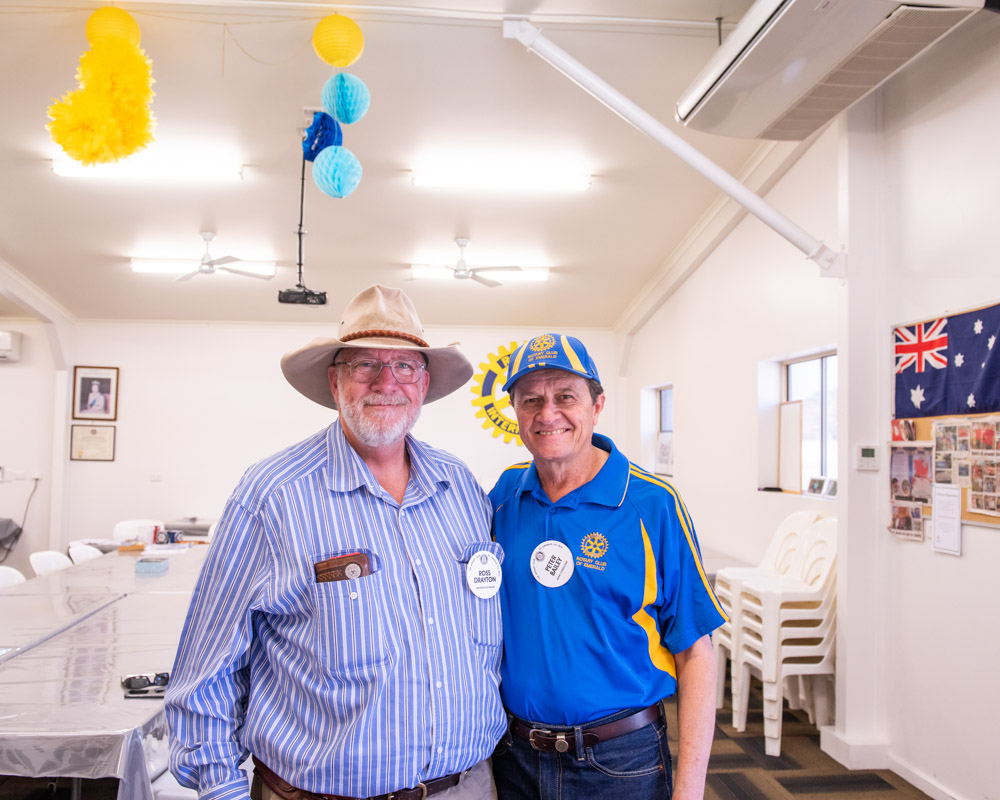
(665,438)
(667,410)
(814,382)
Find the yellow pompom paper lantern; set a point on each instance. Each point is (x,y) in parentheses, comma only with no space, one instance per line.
(108,117)
(110,21)
(338,40)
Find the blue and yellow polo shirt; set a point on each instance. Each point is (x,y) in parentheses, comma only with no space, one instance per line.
(603,641)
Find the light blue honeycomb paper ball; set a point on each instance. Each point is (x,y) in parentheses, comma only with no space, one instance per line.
(346,98)
(336,171)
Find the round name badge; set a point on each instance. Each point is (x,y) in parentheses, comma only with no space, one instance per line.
(483,574)
(552,564)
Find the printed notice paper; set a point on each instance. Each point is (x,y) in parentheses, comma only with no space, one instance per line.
(947,537)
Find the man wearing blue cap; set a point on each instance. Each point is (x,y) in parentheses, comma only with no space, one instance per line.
(606,607)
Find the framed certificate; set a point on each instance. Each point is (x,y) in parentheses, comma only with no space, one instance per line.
(92,443)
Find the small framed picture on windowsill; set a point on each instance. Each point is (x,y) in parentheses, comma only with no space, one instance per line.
(816,485)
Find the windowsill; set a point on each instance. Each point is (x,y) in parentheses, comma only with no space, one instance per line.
(798,494)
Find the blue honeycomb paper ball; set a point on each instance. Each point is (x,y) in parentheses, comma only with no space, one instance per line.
(345,98)
(336,171)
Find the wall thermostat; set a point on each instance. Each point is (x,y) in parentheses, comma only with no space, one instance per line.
(866,457)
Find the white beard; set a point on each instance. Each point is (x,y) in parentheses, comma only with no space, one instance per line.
(379,428)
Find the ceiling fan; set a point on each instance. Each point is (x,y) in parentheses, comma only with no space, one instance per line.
(463,271)
(210,265)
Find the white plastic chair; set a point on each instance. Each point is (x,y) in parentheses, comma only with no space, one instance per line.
(778,560)
(44,561)
(786,617)
(811,657)
(129,529)
(79,552)
(10,576)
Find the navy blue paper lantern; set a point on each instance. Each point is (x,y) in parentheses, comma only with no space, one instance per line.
(336,171)
(324,132)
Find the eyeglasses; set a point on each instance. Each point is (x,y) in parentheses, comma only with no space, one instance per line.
(136,682)
(367,370)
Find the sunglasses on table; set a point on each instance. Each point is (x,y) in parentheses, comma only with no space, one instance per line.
(148,684)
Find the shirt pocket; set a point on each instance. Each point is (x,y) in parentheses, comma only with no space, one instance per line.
(350,630)
(484,622)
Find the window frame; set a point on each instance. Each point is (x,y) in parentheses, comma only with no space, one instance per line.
(824,420)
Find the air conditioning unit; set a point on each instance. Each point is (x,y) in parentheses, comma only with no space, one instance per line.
(10,346)
(791,66)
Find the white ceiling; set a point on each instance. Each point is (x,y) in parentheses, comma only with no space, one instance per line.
(234,77)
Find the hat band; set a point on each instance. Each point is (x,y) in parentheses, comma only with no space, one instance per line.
(383,334)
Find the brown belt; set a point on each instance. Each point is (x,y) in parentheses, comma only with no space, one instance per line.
(286,791)
(564,740)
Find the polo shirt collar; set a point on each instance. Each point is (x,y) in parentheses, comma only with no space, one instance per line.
(607,488)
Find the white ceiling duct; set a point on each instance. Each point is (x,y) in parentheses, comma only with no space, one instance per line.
(791,66)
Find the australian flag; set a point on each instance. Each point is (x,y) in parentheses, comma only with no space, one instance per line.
(949,365)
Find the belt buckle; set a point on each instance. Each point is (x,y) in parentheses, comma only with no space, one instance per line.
(421,786)
(561,745)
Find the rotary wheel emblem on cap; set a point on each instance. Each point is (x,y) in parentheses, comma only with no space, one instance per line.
(545,342)
(492,401)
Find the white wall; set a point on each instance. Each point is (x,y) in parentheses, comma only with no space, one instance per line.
(941,119)
(26,407)
(755,298)
(197,404)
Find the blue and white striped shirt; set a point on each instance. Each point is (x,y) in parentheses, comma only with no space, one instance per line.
(352,687)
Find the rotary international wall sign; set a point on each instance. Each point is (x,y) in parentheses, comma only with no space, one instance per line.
(491,402)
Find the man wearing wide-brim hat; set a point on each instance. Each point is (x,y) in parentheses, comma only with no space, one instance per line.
(334,633)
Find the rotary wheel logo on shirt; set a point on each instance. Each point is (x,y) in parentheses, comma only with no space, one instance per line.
(492,401)
(593,548)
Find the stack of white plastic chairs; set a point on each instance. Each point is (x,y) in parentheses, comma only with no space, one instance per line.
(782,625)
(786,542)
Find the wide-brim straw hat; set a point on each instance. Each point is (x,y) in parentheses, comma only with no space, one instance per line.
(381,318)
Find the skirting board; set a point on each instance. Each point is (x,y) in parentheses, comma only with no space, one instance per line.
(877,756)
(854,755)
(920,780)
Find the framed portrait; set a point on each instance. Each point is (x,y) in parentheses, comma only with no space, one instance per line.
(95,393)
(92,443)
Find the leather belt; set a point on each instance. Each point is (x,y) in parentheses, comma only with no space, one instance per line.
(286,791)
(563,740)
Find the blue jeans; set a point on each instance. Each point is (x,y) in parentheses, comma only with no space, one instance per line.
(634,766)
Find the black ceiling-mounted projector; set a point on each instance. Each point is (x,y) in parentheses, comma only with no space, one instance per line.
(300,295)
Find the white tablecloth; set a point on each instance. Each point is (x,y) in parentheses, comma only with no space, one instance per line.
(62,708)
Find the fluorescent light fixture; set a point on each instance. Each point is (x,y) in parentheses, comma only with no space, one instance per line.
(495,175)
(524,275)
(143,166)
(181,266)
